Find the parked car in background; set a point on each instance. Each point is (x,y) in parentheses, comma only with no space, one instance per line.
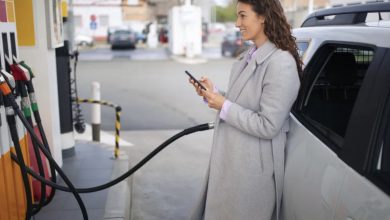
(233,45)
(123,39)
(216,28)
(84,40)
(112,29)
(337,162)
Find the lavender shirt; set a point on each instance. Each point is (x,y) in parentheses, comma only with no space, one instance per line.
(226,105)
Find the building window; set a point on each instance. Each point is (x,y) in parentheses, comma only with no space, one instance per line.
(104,20)
(78,21)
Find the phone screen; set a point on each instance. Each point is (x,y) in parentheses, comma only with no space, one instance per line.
(195,80)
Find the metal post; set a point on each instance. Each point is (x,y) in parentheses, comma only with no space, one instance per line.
(71,25)
(310,7)
(96,118)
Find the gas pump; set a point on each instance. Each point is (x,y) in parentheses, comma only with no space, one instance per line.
(185,33)
(7,78)
(9,99)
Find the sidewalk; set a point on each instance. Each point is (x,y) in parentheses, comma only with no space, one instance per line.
(92,165)
(165,188)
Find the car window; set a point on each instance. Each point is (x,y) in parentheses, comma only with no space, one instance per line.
(334,88)
(123,32)
(302,47)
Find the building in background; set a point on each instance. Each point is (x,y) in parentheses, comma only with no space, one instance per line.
(297,10)
(160,9)
(94,17)
(136,14)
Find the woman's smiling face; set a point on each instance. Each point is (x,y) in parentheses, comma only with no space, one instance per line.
(251,25)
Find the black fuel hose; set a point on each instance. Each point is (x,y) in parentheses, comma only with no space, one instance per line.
(9,98)
(37,117)
(27,114)
(53,177)
(201,127)
(15,139)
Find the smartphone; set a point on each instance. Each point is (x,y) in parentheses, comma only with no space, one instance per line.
(195,80)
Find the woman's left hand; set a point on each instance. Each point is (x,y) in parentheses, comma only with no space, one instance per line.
(214,100)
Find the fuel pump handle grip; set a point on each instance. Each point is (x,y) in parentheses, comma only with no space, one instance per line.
(8,78)
(4,88)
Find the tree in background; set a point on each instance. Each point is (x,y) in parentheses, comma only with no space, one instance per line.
(226,13)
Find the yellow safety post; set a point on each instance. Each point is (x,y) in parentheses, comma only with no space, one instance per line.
(118,110)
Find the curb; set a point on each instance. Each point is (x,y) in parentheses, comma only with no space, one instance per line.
(118,204)
(185,60)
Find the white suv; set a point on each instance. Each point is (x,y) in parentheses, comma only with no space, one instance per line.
(338,149)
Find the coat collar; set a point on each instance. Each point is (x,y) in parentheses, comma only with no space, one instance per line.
(261,54)
(240,76)
(264,51)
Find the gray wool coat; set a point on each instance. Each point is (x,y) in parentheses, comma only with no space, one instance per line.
(245,176)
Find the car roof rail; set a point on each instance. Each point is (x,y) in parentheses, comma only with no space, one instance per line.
(351,14)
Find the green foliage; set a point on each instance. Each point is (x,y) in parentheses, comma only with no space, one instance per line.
(226,14)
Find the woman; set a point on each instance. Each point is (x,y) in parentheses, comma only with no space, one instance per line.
(245,175)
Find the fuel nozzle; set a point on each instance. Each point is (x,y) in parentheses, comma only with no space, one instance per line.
(4,88)
(75,55)
(80,127)
(8,79)
(20,72)
(23,72)
(28,68)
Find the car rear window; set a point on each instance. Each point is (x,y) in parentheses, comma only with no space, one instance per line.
(122,32)
(334,89)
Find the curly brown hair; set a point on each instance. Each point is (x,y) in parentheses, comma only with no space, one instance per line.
(276,27)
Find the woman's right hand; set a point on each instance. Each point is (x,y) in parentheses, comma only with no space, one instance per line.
(206,82)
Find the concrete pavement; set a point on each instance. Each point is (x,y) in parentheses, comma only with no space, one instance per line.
(154,95)
(143,53)
(168,186)
(92,165)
